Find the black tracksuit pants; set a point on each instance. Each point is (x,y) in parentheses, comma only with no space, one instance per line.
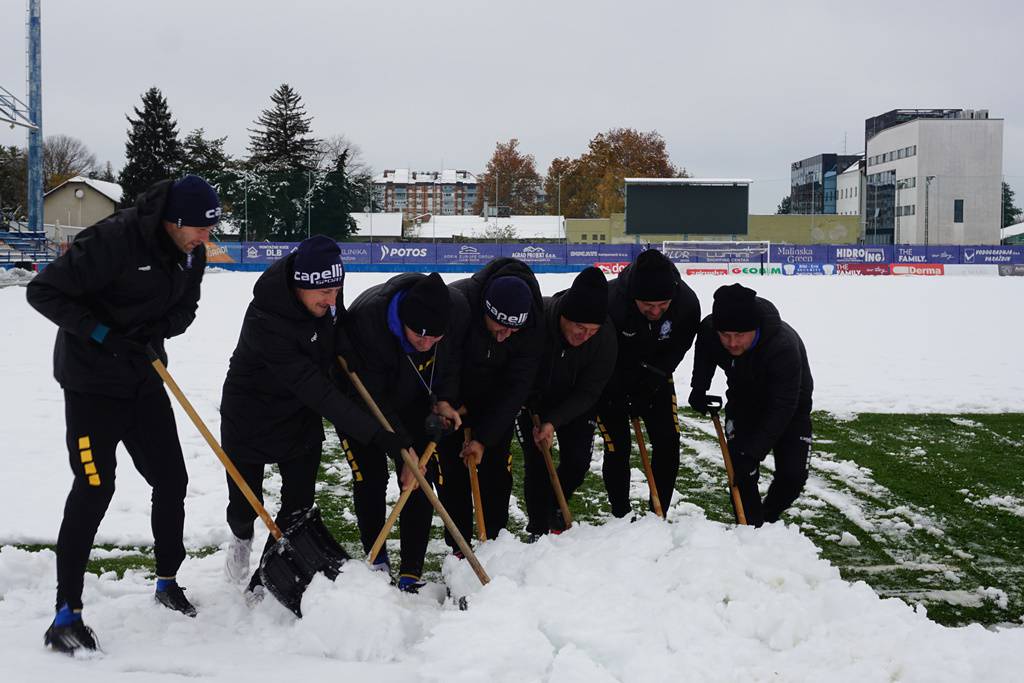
(791,452)
(575,449)
(95,425)
(662,423)
(298,487)
(369,490)
(495,475)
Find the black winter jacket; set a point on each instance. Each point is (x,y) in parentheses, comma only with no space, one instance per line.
(770,385)
(571,378)
(660,344)
(278,387)
(122,272)
(496,378)
(383,365)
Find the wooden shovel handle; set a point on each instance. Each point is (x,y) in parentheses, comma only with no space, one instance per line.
(397,510)
(478,501)
(556,484)
(647,468)
(729,472)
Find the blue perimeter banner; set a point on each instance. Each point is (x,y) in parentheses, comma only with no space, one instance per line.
(808,257)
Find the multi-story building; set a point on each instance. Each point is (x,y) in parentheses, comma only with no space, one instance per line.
(414,193)
(850,189)
(933,176)
(813,182)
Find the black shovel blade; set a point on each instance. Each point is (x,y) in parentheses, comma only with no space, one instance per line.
(306,548)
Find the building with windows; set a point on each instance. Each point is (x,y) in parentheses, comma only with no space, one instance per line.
(415,193)
(813,182)
(850,189)
(933,176)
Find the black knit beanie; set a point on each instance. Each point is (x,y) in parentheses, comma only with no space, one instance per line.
(426,307)
(654,277)
(587,300)
(735,309)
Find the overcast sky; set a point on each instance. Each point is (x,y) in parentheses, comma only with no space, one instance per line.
(737,89)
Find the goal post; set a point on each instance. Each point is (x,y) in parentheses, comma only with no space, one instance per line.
(755,254)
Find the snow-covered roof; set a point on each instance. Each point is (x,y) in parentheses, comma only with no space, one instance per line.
(476,227)
(1011,230)
(111,191)
(378,224)
(855,166)
(403,176)
(689,181)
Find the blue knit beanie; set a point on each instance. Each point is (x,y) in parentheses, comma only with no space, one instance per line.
(192,202)
(508,300)
(318,264)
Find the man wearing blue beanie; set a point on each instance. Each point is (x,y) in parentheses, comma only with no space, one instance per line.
(127,282)
(279,389)
(500,354)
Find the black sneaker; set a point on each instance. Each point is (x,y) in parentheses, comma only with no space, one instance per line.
(556,522)
(173,597)
(70,637)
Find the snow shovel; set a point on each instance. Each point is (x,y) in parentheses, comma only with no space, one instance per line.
(555,483)
(478,503)
(714,404)
(303,549)
(647,468)
(420,479)
(435,436)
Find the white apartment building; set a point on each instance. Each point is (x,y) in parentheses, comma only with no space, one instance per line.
(933,177)
(850,190)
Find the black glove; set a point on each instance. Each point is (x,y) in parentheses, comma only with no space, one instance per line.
(699,401)
(153,332)
(391,443)
(435,426)
(120,345)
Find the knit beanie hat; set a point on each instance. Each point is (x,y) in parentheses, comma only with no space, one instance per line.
(192,202)
(507,301)
(426,307)
(587,299)
(318,264)
(654,277)
(735,309)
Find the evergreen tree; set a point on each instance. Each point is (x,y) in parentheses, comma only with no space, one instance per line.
(106,173)
(334,197)
(13,183)
(281,137)
(785,206)
(1011,214)
(153,151)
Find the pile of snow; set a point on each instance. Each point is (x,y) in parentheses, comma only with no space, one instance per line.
(15,276)
(691,600)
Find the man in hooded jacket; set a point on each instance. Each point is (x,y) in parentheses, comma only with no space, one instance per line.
(656,316)
(501,350)
(279,388)
(769,395)
(125,284)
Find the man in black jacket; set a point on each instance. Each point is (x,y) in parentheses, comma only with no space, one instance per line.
(578,360)
(656,317)
(501,351)
(769,395)
(405,346)
(279,388)
(129,281)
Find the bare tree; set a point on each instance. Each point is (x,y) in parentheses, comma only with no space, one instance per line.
(331,148)
(65,157)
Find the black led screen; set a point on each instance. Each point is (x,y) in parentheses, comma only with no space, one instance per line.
(687,209)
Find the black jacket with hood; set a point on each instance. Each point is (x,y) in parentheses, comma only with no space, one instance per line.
(497,377)
(660,344)
(279,387)
(123,272)
(571,378)
(770,385)
(395,378)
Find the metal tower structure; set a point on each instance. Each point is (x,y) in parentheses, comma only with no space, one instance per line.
(35,109)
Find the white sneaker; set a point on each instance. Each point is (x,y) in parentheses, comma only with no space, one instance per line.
(236,563)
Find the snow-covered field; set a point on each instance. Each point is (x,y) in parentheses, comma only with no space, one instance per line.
(693,600)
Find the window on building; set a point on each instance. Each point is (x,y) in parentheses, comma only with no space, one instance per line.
(583,237)
(958,211)
(602,237)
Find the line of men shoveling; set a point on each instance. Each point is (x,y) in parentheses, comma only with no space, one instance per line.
(437,379)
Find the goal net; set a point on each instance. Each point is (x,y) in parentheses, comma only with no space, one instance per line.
(749,253)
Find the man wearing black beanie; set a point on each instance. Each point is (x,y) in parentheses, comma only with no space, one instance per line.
(656,316)
(405,344)
(769,395)
(279,388)
(128,282)
(578,360)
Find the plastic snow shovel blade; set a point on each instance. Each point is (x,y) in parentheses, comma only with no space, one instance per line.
(306,548)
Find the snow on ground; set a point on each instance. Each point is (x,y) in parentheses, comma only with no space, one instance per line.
(693,600)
